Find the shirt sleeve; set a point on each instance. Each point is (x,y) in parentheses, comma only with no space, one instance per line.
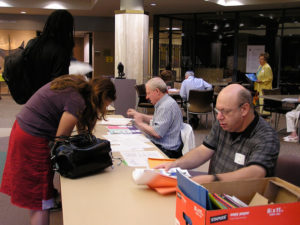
(74,104)
(211,140)
(265,153)
(266,75)
(183,91)
(207,85)
(162,121)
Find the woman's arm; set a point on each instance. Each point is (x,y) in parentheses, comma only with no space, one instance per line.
(66,124)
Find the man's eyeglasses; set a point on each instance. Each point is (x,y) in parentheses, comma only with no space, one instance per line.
(225,112)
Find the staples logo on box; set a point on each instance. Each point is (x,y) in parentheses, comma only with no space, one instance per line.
(220,218)
(275,211)
(198,211)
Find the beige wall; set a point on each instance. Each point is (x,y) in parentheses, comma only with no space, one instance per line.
(104,50)
(12,39)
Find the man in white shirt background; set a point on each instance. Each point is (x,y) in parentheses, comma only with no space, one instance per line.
(191,83)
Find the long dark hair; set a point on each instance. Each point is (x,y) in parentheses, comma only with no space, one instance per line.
(60,28)
(95,93)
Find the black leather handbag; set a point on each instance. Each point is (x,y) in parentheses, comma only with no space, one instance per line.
(80,155)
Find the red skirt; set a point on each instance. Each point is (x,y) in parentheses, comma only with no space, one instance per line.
(27,176)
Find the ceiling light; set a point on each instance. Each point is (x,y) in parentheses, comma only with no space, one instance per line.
(54,6)
(153,4)
(261,14)
(4,4)
(229,3)
(23,12)
(227,25)
(241,24)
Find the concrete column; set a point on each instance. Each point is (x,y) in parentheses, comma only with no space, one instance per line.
(131,40)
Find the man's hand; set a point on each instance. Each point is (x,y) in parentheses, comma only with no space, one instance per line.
(131,112)
(166,166)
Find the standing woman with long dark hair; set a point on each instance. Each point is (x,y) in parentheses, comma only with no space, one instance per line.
(52,51)
(54,110)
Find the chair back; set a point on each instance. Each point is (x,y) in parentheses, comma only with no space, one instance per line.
(270,105)
(288,168)
(200,101)
(141,92)
(187,137)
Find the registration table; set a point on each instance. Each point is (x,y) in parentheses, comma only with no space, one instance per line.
(112,198)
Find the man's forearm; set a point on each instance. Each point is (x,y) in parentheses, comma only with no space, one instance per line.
(147,118)
(195,158)
(249,172)
(148,129)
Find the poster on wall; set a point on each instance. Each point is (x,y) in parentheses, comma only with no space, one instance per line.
(253,52)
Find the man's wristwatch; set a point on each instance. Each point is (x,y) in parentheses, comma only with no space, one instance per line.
(216,178)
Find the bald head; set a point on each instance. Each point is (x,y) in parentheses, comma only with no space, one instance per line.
(235,108)
(236,94)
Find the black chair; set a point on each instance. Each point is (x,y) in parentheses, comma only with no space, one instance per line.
(200,103)
(141,92)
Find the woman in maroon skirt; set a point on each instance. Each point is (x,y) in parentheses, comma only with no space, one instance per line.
(53,110)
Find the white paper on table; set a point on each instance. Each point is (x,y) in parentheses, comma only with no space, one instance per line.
(115,121)
(124,147)
(291,100)
(129,138)
(139,158)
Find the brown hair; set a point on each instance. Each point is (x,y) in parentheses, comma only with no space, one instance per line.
(94,92)
(265,55)
(166,75)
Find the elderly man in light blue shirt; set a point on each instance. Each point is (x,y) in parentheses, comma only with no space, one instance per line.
(163,128)
(191,83)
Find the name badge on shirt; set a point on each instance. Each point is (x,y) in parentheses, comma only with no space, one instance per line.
(151,123)
(239,159)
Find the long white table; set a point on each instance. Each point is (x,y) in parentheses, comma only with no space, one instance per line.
(112,198)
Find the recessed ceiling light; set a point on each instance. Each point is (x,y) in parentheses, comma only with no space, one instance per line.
(153,4)
(23,12)
(4,4)
(54,6)
(229,3)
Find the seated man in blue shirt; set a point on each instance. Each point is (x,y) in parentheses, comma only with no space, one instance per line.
(163,128)
(192,83)
(240,145)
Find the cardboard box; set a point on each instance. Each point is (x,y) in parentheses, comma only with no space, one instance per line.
(283,196)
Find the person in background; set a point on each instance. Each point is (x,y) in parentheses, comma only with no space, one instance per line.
(192,83)
(292,119)
(54,110)
(163,128)
(264,76)
(52,51)
(167,77)
(240,145)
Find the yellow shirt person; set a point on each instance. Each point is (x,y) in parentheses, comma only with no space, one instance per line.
(264,76)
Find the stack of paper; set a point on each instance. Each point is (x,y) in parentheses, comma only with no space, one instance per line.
(164,182)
